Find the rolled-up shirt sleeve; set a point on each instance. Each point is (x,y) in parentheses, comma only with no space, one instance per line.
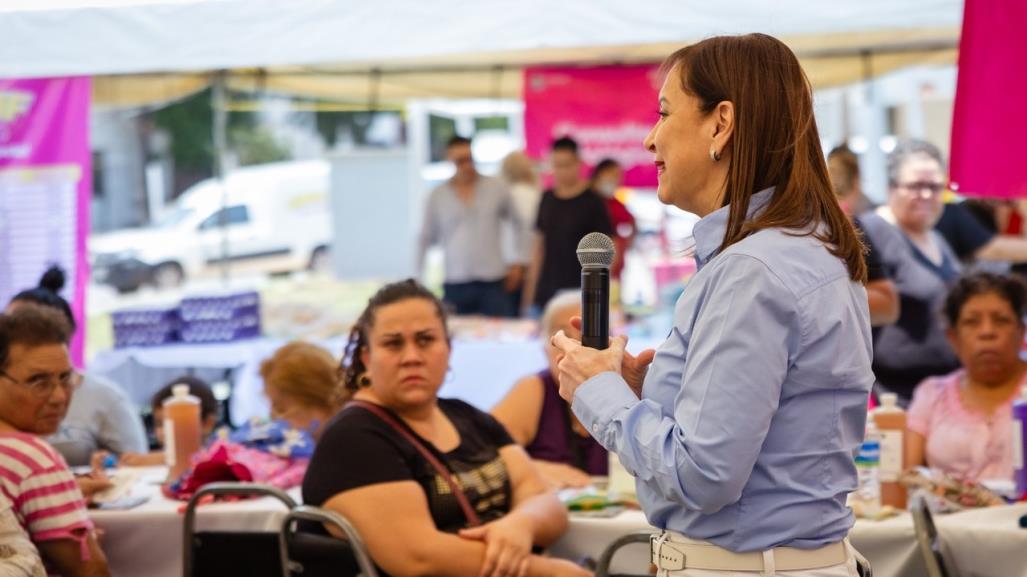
(701,451)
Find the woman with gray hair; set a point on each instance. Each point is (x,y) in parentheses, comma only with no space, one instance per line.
(540,421)
(922,265)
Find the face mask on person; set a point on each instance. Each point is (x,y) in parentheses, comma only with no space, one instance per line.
(607,188)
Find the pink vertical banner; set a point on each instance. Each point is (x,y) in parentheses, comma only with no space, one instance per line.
(990,119)
(45,188)
(608,110)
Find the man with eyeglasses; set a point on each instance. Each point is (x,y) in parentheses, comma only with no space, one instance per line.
(36,383)
(465,215)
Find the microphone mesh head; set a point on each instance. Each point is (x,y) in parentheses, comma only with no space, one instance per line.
(595,249)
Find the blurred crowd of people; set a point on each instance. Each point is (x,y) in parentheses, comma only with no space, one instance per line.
(508,245)
(947,305)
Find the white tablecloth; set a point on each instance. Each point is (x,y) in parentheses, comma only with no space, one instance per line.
(147,541)
(987,542)
(982,543)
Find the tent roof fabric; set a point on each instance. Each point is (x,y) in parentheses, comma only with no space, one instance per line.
(390,86)
(454,48)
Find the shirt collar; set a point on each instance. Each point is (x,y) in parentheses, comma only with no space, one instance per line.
(452,185)
(709,231)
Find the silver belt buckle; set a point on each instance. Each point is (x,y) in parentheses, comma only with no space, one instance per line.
(663,555)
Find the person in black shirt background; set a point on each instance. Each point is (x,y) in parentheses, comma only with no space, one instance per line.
(567,212)
(971,229)
(882,296)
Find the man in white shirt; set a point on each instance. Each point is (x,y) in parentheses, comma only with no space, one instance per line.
(465,215)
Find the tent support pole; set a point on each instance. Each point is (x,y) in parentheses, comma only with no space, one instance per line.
(220,109)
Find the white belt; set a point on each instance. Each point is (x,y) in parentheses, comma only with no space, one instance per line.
(674,552)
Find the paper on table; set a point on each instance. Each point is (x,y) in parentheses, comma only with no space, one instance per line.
(123,481)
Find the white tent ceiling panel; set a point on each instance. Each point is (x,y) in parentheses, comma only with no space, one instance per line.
(94,37)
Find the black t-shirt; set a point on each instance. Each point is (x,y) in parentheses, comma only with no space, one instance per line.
(359,449)
(963,231)
(875,266)
(562,222)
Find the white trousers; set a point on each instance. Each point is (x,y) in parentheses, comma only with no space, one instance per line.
(847,569)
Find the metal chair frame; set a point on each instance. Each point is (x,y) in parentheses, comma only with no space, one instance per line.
(329,518)
(222,489)
(928,540)
(603,564)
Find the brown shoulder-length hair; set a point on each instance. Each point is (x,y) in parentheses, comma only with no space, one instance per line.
(775,140)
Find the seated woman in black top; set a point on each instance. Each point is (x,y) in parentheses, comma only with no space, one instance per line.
(365,469)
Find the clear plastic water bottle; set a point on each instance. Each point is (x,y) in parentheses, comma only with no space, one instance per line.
(868,466)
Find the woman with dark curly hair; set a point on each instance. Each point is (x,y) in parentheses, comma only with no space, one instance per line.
(961,423)
(418,475)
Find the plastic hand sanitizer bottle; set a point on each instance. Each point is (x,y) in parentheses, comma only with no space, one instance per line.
(890,421)
(181,430)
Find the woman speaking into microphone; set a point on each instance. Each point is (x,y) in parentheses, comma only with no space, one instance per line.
(741,431)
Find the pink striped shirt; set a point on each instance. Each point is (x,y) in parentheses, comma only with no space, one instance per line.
(45,497)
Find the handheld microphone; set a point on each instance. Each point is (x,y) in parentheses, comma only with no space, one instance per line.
(595,253)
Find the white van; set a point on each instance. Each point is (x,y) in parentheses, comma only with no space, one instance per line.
(278,219)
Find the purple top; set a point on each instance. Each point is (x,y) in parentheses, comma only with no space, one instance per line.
(556,441)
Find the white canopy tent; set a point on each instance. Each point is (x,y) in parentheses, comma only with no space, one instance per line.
(145,51)
(383,52)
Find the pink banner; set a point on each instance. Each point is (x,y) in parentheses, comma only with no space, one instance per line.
(45,188)
(990,120)
(608,110)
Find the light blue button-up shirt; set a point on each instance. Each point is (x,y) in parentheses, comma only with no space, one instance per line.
(756,403)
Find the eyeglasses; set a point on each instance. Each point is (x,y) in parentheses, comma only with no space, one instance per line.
(44,384)
(925,190)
